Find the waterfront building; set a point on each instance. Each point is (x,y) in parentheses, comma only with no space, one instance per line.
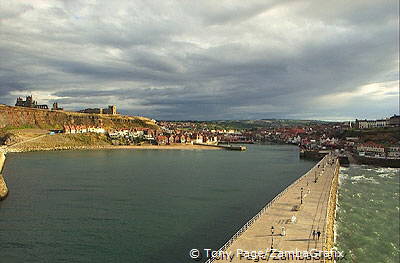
(199,138)
(161,139)
(393,152)
(372,149)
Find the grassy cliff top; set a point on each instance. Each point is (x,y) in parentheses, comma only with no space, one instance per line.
(386,136)
(19,118)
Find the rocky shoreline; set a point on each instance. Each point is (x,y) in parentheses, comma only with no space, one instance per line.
(3,185)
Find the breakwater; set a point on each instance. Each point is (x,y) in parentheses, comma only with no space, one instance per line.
(3,186)
(329,239)
(224,146)
(375,161)
(307,205)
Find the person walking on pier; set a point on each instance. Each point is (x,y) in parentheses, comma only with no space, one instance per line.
(313,234)
(318,234)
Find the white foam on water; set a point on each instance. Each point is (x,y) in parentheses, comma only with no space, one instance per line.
(357,178)
(362,178)
(362,187)
(377,234)
(342,178)
(387,170)
(386,175)
(393,245)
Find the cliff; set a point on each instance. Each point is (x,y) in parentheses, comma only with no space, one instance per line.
(19,117)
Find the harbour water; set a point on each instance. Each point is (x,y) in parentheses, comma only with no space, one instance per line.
(368,214)
(136,206)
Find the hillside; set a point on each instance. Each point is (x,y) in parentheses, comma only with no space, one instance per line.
(20,118)
(387,136)
(58,142)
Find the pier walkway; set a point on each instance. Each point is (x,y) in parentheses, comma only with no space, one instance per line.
(297,211)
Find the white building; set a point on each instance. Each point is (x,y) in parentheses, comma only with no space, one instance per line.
(368,124)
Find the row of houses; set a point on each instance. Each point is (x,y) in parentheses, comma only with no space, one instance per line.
(143,133)
(187,138)
(82,129)
(377,150)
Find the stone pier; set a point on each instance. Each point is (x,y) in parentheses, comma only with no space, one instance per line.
(287,223)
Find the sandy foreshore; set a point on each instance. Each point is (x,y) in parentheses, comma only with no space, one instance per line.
(113,147)
(167,147)
(45,142)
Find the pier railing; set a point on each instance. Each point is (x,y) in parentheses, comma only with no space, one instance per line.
(264,209)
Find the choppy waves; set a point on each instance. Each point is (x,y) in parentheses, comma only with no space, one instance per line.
(368,214)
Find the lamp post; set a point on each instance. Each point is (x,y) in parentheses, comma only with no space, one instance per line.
(315,177)
(301,195)
(272,237)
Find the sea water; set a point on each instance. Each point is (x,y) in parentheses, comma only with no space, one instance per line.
(368,214)
(136,205)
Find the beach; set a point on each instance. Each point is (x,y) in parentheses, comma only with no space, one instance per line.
(105,147)
(45,142)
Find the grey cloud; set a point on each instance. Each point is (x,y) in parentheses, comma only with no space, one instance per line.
(201,59)
(356,13)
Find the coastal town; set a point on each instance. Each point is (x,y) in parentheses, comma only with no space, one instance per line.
(200,131)
(359,141)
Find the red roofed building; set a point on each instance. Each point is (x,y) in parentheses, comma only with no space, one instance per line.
(161,139)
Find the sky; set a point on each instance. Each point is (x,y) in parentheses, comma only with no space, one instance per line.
(205,60)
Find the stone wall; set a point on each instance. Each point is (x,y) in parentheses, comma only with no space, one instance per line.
(331,213)
(3,186)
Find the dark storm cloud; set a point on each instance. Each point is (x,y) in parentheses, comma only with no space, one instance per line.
(205,59)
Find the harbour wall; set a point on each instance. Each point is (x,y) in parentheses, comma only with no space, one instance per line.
(3,186)
(331,212)
(321,203)
(224,146)
(382,162)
